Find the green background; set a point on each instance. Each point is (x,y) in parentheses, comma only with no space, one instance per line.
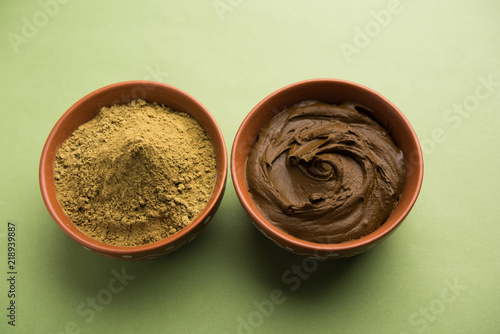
(438,61)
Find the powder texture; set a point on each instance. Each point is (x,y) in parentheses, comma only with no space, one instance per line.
(135,174)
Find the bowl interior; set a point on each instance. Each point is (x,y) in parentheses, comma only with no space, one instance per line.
(86,109)
(334,92)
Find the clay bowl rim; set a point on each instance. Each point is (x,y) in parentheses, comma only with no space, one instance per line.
(47,162)
(240,148)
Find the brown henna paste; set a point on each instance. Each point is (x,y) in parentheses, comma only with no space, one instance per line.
(325,173)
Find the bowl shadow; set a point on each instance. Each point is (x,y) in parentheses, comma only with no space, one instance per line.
(299,277)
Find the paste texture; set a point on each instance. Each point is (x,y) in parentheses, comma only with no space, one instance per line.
(325,173)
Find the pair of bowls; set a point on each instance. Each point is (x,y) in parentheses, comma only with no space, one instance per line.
(327,90)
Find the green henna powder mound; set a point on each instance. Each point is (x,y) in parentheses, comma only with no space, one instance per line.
(135,174)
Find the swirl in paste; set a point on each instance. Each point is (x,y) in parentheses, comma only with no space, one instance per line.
(325,173)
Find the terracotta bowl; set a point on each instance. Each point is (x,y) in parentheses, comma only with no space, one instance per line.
(334,92)
(86,109)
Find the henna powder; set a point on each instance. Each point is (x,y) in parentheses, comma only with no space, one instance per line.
(135,174)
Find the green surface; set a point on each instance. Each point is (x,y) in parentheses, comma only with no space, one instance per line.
(438,61)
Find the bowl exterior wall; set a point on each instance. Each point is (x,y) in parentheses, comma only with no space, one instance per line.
(86,109)
(335,92)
